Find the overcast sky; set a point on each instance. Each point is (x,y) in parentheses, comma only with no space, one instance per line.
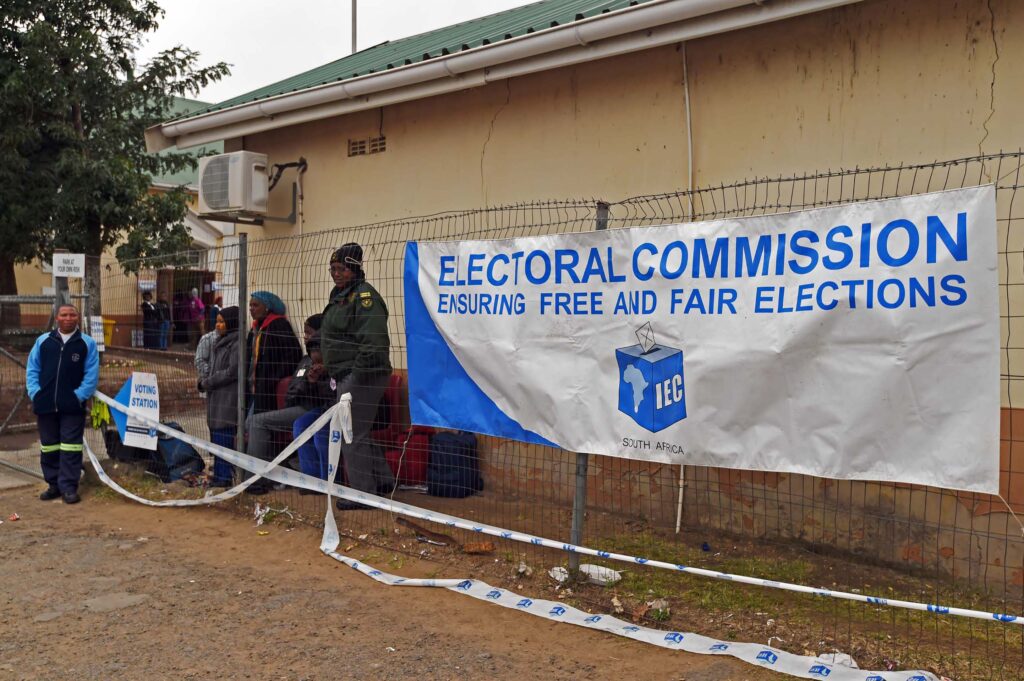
(267,40)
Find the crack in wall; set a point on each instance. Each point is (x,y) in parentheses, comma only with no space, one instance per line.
(490,131)
(992,87)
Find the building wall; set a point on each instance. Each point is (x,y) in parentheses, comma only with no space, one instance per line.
(879,83)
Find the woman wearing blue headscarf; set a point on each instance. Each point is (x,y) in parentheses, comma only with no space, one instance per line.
(274,351)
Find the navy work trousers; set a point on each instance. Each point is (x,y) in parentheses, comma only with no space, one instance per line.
(60,457)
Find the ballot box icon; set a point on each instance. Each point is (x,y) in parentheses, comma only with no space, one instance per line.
(651,385)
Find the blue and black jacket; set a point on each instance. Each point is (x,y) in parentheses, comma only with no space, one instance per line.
(61,376)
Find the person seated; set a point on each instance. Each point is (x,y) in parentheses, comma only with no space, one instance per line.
(313,452)
(309,393)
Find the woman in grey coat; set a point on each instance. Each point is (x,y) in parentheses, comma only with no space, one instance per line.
(221,388)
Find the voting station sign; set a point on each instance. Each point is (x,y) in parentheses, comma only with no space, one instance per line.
(857,342)
(70,265)
(139,393)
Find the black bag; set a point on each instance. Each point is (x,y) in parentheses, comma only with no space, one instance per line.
(174,458)
(453,469)
(118,451)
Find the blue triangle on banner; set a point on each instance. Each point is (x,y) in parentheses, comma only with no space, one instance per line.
(121,419)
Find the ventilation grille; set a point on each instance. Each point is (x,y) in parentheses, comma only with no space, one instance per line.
(356,147)
(362,147)
(214,183)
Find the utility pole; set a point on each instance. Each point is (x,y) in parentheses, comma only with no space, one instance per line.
(354,24)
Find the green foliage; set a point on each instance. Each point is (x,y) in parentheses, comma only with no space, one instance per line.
(74,107)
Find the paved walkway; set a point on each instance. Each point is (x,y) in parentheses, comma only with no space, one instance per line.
(24,458)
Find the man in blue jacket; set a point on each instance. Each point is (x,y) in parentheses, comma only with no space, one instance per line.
(63,370)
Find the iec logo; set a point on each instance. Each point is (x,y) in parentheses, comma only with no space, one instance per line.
(557,611)
(494,594)
(767,656)
(674,637)
(651,382)
(464,584)
(875,677)
(819,670)
(335,436)
(524,603)
(719,647)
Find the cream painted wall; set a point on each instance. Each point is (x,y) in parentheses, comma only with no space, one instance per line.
(31,279)
(607,129)
(879,82)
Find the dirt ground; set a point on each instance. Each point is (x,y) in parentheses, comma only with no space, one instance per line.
(110,589)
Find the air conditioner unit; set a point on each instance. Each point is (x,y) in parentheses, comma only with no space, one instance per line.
(233,183)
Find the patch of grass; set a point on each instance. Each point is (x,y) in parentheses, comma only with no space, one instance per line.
(660,615)
(646,583)
(104,493)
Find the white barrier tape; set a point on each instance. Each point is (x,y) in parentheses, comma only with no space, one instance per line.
(344,428)
(801,666)
(309,482)
(762,656)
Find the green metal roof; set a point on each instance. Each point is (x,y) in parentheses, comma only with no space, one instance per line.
(183,108)
(449,40)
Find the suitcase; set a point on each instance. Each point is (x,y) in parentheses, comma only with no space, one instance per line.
(412,468)
(453,469)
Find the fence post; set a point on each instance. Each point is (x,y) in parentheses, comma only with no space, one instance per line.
(579,502)
(243,323)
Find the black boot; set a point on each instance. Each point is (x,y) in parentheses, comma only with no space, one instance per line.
(50,494)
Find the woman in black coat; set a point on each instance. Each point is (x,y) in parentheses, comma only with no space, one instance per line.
(273,350)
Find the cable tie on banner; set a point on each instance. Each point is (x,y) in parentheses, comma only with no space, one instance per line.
(1012,513)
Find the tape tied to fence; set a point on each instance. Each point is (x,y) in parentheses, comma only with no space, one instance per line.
(342,427)
(340,418)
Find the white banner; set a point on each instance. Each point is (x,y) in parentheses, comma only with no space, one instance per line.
(857,341)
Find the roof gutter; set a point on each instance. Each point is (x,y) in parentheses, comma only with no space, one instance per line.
(628,30)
